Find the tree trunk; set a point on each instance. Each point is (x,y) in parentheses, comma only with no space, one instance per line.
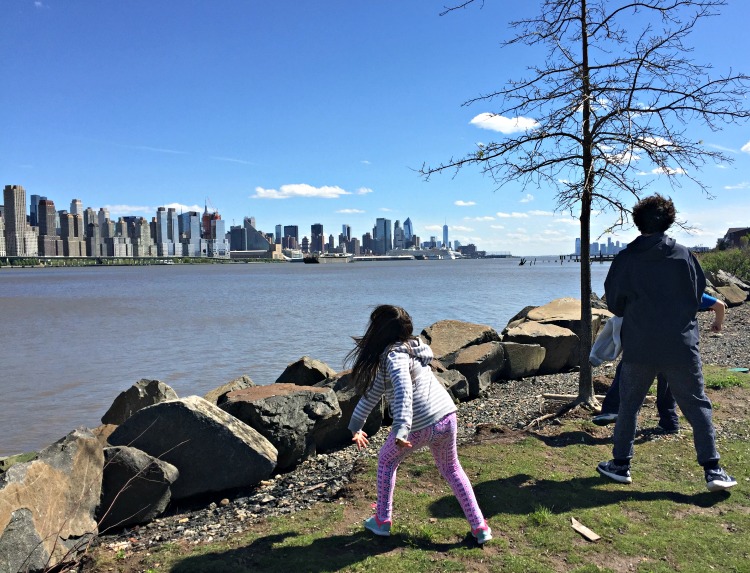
(586,395)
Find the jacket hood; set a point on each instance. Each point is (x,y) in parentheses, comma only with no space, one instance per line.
(656,246)
(416,348)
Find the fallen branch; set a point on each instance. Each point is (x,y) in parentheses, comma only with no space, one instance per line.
(573,397)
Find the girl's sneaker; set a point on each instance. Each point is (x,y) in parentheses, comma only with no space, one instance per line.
(378,527)
(482,534)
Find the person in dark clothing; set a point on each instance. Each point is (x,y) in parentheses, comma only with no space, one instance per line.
(656,286)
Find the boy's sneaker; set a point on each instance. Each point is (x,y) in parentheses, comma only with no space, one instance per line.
(718,480)
(378,527)
(482,534)
(611,470)
(604,419)
(667,431)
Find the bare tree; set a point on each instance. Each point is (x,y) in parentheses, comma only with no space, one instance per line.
(618,89)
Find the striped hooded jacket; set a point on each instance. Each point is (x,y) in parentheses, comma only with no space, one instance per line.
(417,399)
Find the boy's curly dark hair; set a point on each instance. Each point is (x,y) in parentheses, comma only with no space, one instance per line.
(654,214)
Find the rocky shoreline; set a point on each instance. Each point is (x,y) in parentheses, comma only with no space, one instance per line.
(513,404)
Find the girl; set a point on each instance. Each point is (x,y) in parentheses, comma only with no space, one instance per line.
(390,360)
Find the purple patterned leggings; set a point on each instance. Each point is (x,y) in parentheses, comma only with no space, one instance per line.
(441,437)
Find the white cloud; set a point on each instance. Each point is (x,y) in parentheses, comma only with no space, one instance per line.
(460,229)
(498,227)
(385,209)
(506,125)
(567,221)
(460,203)
(350,211)
(232,160)
(657,141)
(487,218)
(529,197)
(433,228)
(364,191)
(365,162)
(513,215)
(746,148)
(722,148)
(667,171)
(542,213)
(299,190)
(743,185)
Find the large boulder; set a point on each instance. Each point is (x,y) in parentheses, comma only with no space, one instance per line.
(135,488)
(560,344)
(732,295)
(213,450)
(47,505)
(521,360)
(566,313)
(218,395)
(456,384)
(141,394)
(447,337)
(287,415)
(338,434)
(306,372)
(480,364)
(723,278)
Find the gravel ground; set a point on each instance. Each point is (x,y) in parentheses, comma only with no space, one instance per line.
(512,404)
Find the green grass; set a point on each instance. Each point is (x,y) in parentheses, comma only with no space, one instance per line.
(718,377)
(529,490)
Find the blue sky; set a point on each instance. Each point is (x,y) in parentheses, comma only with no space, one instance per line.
(302,112)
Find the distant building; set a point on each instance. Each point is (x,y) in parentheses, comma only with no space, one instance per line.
(733,236)
(381,236)
(446,244)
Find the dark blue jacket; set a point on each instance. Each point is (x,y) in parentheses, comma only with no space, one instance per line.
(656,285)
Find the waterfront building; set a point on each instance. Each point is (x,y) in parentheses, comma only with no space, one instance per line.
(102,217)
(346,231)
(93,241)
(16,229)
(408,232)
(317,238)
(305,248)
(277,234)
(72,244)
(161,232)
(49,244)
(290,239)
(382,236)
(76,207)
(399,237)
(446,244)
(190,234)
(237,238)
(367,244)
(34,210)
(3,253)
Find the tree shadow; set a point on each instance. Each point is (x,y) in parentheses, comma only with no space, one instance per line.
(332,553)
(521,494)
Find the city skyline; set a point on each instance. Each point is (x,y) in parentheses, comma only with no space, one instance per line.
(303,113)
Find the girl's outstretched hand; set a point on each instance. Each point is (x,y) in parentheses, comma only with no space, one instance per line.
(360,438)
(403,443)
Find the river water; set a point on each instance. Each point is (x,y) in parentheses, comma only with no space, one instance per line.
(72,339)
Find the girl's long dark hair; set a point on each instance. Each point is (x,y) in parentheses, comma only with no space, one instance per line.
(388,324)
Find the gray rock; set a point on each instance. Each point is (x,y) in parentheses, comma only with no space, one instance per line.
(455,383)
(559,344)
(724,279)
(141,394)
(447,337)
(339,435)
(521,360)
(287,415)
(566,313)
(218,395)
(135,487)
(47,505)
(481,364)
(213,450)
(732,295)
(306,372)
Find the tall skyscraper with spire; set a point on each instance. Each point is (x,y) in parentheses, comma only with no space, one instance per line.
(446,245)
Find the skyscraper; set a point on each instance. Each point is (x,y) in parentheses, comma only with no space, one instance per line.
(76,207)
(316,238)
(14,199)
(445,237)
(408,233)
(34,210)
(381,236)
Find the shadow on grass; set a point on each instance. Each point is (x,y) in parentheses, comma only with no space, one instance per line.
(575,437)
(521,494)
(322,554)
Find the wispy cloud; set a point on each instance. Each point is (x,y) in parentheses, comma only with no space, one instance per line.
(538,213)
(498,227)
(667,171)
(746,148)
(385,209)
(350,211)
(722,147)
(365,162)
(486,218)
(364,191)
(460,229)
(154,149)
(743,185)
(528,199)
(299,190)
(460,203)
(433,228)
(506,125)
(232,160)
(513,215)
